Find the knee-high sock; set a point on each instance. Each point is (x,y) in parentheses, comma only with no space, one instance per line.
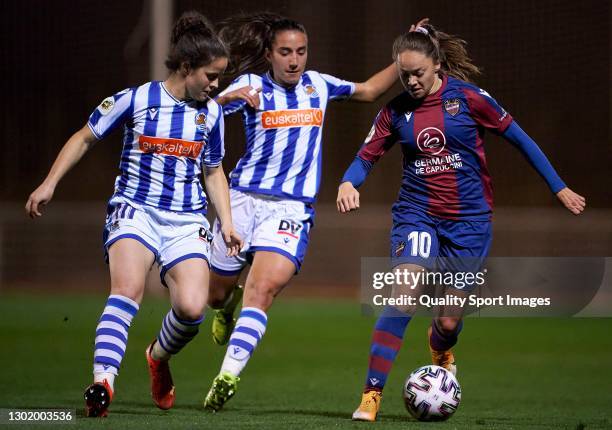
(386,343)
(175,333)
(249,330)
(439,341)
(111,336)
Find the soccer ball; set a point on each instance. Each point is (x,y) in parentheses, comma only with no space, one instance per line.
(432,393)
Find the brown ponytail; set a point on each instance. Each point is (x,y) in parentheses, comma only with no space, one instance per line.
(249,35)
(448,50)
(195,42)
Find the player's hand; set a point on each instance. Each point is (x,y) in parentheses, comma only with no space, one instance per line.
(232,240)
(348,198)
(248,94)
(421,23)
(38,199)
(575,203)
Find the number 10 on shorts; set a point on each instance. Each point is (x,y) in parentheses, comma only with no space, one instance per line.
(420,243)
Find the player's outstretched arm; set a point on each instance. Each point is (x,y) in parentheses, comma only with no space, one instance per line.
(71,153)
(574,202)
(380,83)
(218,190)
(348,198)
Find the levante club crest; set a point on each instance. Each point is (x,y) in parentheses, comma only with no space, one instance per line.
(452,106)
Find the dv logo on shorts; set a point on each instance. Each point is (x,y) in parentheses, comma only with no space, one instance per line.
(205,235)
(431,141)
(289,228)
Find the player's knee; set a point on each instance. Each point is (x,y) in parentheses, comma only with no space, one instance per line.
(261,293)
(265,288)
(131,290)
(189,311)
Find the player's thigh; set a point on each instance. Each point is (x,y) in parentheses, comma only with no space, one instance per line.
(129,262)
(410,284)
(187,283)
(464,246)
(269,274)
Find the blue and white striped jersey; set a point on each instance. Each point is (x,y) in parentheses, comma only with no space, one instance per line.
(166,142)
(283,136)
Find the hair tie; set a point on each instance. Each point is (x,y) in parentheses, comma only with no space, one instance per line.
(422,30)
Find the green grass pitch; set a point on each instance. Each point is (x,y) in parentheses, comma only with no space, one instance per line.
(309,369)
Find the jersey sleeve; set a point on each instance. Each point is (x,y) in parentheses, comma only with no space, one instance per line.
(486,111)
(112,112)
(338,89)
(236,105)
(380,139)
(215,148)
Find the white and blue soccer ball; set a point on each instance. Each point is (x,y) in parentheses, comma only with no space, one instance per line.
(432,393)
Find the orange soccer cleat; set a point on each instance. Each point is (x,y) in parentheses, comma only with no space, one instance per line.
(444,359)
(162,387)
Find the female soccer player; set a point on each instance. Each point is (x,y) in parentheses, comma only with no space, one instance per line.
(276,181)
(445,202)
(172,131)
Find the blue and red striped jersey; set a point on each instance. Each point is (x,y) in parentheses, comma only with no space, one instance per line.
(441,136)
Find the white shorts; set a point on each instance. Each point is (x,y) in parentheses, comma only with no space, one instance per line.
(265,223)
(171,236)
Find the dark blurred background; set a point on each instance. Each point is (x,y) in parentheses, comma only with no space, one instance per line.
(546,62)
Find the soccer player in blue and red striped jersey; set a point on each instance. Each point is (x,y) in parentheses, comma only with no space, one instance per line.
(445,203)
(276,181)
(173,132)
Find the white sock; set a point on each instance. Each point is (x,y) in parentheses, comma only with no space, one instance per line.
(249,330)
(101,376)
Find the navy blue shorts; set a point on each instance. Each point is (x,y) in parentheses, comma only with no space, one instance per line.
(438,243)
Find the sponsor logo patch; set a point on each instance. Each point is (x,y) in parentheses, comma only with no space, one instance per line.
(398,251)
(292,118)
(169,146)
(205,235)
(289,228)
(431,141)
(107,105)
(452,106)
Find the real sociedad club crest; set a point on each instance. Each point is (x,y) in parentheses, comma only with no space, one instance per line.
(452,106)
(311,91)
(200,121)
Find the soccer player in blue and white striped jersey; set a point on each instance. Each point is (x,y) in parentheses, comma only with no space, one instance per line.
(276,181)
(173,132)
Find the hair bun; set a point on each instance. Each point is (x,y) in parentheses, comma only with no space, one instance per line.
(191,22)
